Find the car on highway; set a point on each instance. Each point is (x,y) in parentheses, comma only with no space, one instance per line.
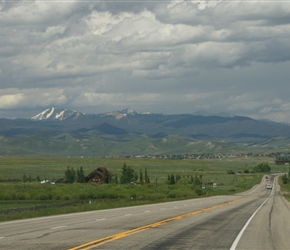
(269,186)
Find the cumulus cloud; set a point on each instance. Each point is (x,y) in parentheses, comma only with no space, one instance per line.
(187,55)
(10,101)
(31,98)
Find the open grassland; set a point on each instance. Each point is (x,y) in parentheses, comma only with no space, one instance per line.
(13,168)
(66,198)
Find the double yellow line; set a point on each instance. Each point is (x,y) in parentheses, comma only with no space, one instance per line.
(117,236)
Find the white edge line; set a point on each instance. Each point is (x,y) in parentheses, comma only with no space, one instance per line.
(100,219)
(58,227)
(235,243)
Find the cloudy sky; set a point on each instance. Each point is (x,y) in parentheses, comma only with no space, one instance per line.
(158,56)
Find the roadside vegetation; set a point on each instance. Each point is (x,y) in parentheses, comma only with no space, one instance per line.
(284,182)
(135,182)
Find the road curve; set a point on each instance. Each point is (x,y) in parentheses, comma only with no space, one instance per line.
(204,223)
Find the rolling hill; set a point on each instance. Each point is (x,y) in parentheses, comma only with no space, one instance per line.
(129,132)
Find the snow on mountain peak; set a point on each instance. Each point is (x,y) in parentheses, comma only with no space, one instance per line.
(63,114)
(125,112)
(54,114)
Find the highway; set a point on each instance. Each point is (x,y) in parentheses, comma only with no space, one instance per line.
(256,219)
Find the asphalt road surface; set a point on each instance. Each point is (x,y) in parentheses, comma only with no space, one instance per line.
(256,219)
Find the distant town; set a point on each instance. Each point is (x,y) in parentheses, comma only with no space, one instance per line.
(280,157)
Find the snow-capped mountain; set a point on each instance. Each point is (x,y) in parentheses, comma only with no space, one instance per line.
(56,114)
(133,112)
(63,114)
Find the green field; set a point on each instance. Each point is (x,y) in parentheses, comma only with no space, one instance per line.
(45,199)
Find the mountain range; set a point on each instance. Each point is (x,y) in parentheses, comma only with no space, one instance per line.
(128,132)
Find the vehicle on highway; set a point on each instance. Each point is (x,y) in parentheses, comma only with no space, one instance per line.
(269,186)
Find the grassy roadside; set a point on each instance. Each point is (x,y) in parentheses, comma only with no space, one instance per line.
(284,188)
(132,196)
(88,197)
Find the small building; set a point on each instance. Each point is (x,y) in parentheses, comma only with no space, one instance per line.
(100,175)
(282,161)
(47,182)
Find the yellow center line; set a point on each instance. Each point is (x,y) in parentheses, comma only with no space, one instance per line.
(117,236)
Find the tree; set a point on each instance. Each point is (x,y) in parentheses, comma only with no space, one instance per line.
(147,180)
(80,175)
(172,180)
(106,176)
(284,179)
(123,174)
(262,167)
(70,175)
(135,176)
(127,175)
(141,177)
(197,181)
(130,175)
